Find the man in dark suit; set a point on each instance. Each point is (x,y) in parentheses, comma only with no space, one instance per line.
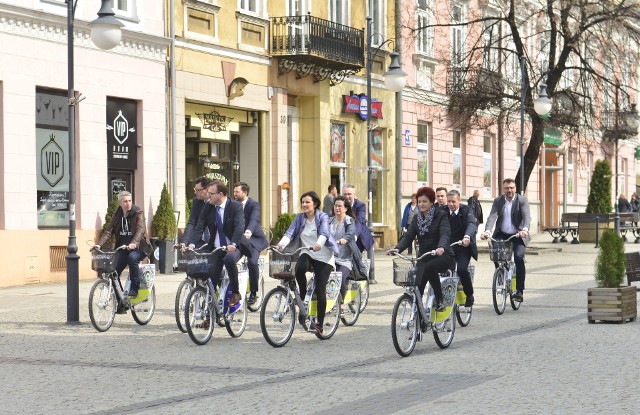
(225,220)
(365,239)
(476,207)
(254,239)
(463,227)
(197,206)
(509,216)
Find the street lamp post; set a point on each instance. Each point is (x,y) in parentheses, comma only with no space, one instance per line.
(541,105)
(394,80)
(106,34)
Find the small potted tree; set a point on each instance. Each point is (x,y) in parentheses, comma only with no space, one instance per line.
(609,301)
(164,227)
(282,224)
(599,202)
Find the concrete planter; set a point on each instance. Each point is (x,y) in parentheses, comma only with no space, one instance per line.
(612,304)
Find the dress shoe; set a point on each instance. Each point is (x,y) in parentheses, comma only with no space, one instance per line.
(316,328)
(252,298)
(424,325)
(440,307)
(133,294)
(372,281)
(518,297)
(469,301)
(206,323)
(235,299)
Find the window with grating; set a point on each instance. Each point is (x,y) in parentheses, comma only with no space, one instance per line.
(57,260)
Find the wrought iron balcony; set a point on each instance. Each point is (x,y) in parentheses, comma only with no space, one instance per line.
(619,125)
(317,47)
(475,86)
(567,109)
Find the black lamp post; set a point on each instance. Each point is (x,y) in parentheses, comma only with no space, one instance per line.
(106,34)
(394,80)
(541,105)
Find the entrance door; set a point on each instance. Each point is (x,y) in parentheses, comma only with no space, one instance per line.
(120,181)
(294,167)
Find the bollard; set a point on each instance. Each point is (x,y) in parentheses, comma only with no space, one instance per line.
(597,230)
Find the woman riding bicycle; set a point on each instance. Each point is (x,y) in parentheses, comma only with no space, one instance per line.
(431,226)
(343,228)
(311,228)
(129,227)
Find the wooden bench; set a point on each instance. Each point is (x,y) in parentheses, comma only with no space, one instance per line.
(633,267)
(629,223)
(568,225)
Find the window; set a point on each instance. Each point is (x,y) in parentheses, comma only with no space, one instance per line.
(201,22)
(338,144)
(425,35)
(589,170)
(622,177)
(338,11)
(487,177)
(377,14)
(457,161)
(570,176)
(457,36)
(377,176)
(491,45)
(298,7)
(124,8)
(249,6)
(424,76)
(424,131)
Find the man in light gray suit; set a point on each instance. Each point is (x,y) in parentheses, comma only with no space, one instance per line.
(510,216)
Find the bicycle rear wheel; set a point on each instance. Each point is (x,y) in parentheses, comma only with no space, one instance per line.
(102,305)
(184,289)
(331,320)
(277,317)
(364,287)
(260,293)
(236,322)
(499,291)
(444,331)
(463,314)
(514,304)
(143,311)
(199,316)
(404,325)
(351,310)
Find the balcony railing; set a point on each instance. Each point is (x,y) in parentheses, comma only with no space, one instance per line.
(619,124)
(313,46)
(474,87)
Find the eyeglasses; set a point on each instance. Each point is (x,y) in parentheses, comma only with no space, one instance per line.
(212,193)
(198,190)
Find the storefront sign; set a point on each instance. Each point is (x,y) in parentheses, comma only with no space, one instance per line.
(122,138)
(357,104)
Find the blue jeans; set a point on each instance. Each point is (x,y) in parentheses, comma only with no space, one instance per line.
(518,258)
(131,259)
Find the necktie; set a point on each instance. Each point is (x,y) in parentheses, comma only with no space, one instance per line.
(223,239)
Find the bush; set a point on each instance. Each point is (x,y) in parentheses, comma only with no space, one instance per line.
(610,268)
(163,225)
(188,207)
(111,209)
(600,188)
(283,223)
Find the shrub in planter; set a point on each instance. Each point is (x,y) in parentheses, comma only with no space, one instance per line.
(283,223)
(164,227)
(610,268)
(600,188)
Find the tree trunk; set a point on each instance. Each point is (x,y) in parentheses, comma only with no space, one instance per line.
(533,150)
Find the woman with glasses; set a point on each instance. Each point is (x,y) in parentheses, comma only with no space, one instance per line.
(311,229)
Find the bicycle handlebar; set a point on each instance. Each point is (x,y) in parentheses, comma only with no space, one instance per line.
(508,239)
(408,258)
(93,248)
(275,248)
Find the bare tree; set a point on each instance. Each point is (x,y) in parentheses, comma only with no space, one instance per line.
(585,50)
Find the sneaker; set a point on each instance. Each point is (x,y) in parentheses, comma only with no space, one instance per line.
(469,302)
(440,307)
(316,328)
(133,294)
(372,281)
(518,296)
(235,299)
(252,298)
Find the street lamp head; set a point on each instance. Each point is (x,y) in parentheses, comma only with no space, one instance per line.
(106,30)
(632,119)
(542,104)
(395,79)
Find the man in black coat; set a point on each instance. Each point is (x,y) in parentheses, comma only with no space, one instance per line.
(225,220)
(254,239)
(476,207)
(197,206)
(463,227)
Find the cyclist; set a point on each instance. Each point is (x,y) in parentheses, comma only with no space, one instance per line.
(463,227)
(130,229)
(343,228)
(311,228)
(431,226)
(197,206)
(510,216)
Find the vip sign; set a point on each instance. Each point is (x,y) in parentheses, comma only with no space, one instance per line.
(121,133)
(52,162)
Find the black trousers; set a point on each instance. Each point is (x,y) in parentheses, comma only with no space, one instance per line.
(253,255)
(229,261)
(463,257)
(322,270)
(428,270)
(518,258)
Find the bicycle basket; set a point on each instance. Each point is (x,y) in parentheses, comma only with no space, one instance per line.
(196,265)
(103,261)
(404,273)
(500,251)
(280,266)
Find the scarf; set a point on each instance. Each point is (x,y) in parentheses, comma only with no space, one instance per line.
(424,222)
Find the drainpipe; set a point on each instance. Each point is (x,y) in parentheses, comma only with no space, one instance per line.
(398,127)
(172,80)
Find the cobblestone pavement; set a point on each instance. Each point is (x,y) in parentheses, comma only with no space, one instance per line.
(544,358)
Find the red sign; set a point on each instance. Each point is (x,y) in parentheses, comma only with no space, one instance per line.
(357,104)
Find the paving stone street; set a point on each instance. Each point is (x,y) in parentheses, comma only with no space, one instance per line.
(543,358)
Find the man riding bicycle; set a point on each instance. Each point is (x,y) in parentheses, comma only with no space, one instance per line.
(510,216)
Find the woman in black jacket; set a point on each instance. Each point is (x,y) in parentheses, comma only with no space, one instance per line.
(431,226)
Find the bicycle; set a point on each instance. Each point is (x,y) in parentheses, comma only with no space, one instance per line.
(184,288)
(356,296)
(278,314)
(463,314)
(504,278)
(414,314)
(206,302)
(107,296)
(260,292)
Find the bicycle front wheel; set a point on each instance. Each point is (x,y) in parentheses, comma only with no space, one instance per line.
(331,320)
(102,305)
(351,307)
(143,311)
(236,322)
(499,291)
(404,326)
(514,304)
(277,318)
(260,293)
(444,330)
(199,316)
(184,289)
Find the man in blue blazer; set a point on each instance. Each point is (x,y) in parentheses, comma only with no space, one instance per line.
(254,239)
(197,206)
(463,227)
(509,216)
(225,220)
